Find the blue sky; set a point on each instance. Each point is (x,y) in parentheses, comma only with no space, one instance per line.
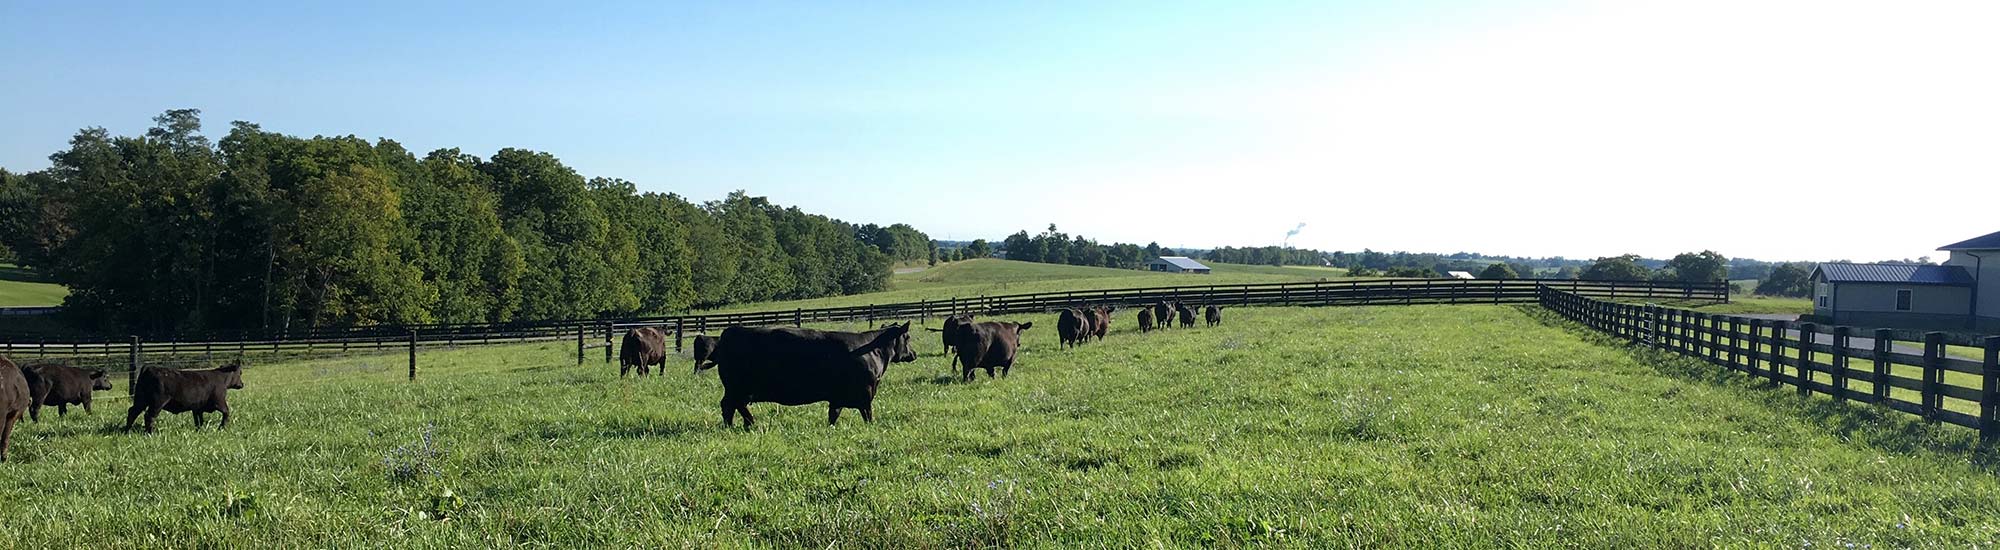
(1542,128)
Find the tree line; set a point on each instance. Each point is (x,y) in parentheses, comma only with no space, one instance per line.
(170,232)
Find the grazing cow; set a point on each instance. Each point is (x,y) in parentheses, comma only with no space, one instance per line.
(704,352)
(1100,322)
(1163,315)
(989,345)
(1214,315)
(14,402)
(179,391)
(949,334)
(1145,319)
(1186,313)
(1070,327)
(798,366)
(60,386)
(643,347)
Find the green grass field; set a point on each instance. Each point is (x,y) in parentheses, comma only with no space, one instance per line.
(20,287)
(987,277)
(1419,426)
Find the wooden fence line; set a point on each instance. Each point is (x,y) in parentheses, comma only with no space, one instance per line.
(1813,358)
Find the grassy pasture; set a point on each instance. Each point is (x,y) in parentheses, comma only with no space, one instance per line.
(1420,426)
(20,287)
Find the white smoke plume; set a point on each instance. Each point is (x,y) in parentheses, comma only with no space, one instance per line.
(1294,231)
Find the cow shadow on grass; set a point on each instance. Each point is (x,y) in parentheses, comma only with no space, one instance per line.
(1875,426)
(617,428)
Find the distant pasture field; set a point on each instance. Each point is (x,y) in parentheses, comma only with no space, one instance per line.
(1392,426)
(990,277)
(20,287)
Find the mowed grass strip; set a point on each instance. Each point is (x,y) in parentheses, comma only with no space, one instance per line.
(20,287)
(1422,426)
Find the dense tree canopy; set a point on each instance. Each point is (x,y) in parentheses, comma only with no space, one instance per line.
(169,232)
(1616,268)
(1787,279)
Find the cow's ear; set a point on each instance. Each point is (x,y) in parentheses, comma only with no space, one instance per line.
(231,367)
(99,373)
(1027,325)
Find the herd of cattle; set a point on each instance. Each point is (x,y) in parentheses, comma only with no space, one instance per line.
(25,389)
(799,366)
(784,365)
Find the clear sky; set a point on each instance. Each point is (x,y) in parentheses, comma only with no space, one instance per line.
(1768,129)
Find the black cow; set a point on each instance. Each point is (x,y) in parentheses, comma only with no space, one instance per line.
(1100,322)
(1163,315)
(60,386)
(179,391)
(990,345)
(797,366)
(14,402)
(1186,313)
(949,334)
(642,348)
(1214,315)
(704,351)
(1145,319)
(1071,327)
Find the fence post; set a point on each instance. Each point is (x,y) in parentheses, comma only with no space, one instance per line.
(607,342)
(798,317)
(1777,357)
(1840,335)
(1989,399)
(132,376)
(1807,334)
(579,345)
(413,355)
(1933,374)
(1756,346)
(1735,354)
(679,325)
(1883,338)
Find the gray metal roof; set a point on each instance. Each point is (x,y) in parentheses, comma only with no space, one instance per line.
(1908,274)
(1989,241)
(1183,262)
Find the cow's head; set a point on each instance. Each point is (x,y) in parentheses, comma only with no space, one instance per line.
(896,339)
(704,351)
(235,371)
(99,381)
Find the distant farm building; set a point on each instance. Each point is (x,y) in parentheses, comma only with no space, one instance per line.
(1460,274)
(1177,264)
(1892,295)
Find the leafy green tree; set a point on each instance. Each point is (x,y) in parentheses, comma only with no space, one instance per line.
(565,238)
(1787,279)
(978,249)
(1499,270)
(1616,268)
(1706,266)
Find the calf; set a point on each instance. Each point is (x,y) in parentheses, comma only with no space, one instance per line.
(1186,313)
(1163,315)
(1145,319)
(60,386)
(990,345)
(1214,315)
(797,366)
(179,391)
(1100,323)
(642,348)
(704,352)
(1070,327)
(14,402)
(949,335)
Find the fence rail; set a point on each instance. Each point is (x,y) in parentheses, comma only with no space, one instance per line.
(600,333)
(1876,367)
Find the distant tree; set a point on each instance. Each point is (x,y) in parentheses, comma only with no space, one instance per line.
(1616,268)
(934,256)
(1021,247)
(1699,267)
(1499,270)
(1152,250)
(1787,279)
(1568,272)
(1412,272)
(978,249)
(1167,252)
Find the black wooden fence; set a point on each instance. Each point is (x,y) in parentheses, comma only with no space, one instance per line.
(129,352)
(1901,370)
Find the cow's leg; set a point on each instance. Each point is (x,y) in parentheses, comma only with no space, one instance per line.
(832,414)
(132,414)
(198,419)
(747,419)
(35,410)
(152,413)
(1004,369)
(7,422)
(62,410)
(86,405)
(624,369)
(224,409)
(969,376)
(728,412)
(868,412)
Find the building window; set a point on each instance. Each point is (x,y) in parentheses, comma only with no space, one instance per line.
(1822,301)
(1902,299)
